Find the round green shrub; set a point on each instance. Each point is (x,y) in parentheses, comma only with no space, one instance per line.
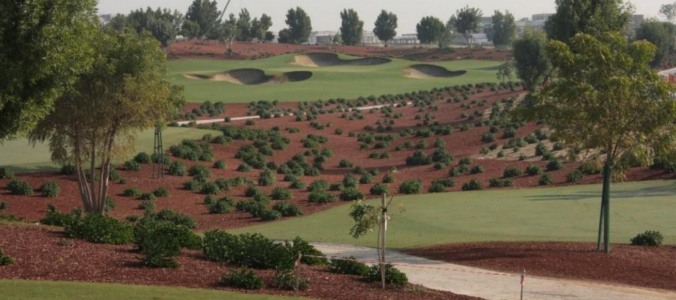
(220,164)
(220,207)
(648,238)
(392,275)
(348,266)
(379,189)
(242,278)
(281,194)
(533,169)
(554,165)
(266,178)
(574,176)
(321,197)
(161,192)
(287,280)
(142,158)
(351,193)
(50,189)
(177,168)
(411,187)
(19,187)
(287,209)
(545,180)
(132,165)
(511,172)
(472,185)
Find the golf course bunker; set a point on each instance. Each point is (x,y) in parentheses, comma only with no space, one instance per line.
(252,76)
(331,59)
(424,71)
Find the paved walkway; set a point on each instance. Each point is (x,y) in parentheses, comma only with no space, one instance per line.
(490,284)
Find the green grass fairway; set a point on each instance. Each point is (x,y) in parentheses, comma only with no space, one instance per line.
(57,290)
(541,214)
(22,157)
(326,83)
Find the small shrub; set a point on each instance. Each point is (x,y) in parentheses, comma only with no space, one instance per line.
(242,278)
(281,194)
(591,167)
(348,266)
(7,173)
(411,187)
(220,164)
(50,189)
(65,170)
(147,206)
(497,182)
(436,187)
(321,197)
(54,217)
(244,167)
(554,165)
(199,172)
(287,209)
(648,238)
(4,205)
(210,188)
(19,187)
(392,275)
(132,165)
(251,191)
(472,185)
(161,192)
(351,193)
(388,178)
(266,178)
(4,259)
(269,215)
(379,189)
(488,137)
(100,229)
(541,149)
(545,180)
(533,170)
(220,207)
(511,172)
(477,169)
(344,163)
(287,280)
(161,242)
(132,192)
(142,158)
(147,197)
(574,176)
(177,168)
(366,178)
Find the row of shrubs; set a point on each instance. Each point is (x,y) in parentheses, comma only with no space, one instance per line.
(19,187)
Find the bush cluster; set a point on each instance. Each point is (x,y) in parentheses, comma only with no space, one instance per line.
(19,187)
(177,168)
(99,229)
(497,182)
(50,189)
(648,238)
(392,275)
(254,250)
(472,185)
(287,209)
(132,165)
(161,236)
(191,150)
(411,187)
(351,193)
(348,266)
(142,158)
(287,280)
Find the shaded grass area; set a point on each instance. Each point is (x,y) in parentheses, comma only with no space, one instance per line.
(53,290)
(23,157)
(541,214)
(326,82)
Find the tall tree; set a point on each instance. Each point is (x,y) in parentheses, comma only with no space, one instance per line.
(243,25)
(531,62)
(606,97)
(351,28)
(161,23)
(593,17)
(430,30)
(299,29)
(661,34)
(204,16)
(669,11)
(448,35)
(44,46)
(386,26)
(259,28)
(504,28)
(467,22)
(124,92)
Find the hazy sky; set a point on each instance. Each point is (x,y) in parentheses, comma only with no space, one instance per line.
(325,14)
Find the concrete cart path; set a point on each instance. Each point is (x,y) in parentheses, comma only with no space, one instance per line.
(490,284)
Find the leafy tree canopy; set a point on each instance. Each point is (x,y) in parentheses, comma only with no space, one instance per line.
(593,17)
(44,46)
(662,35)
(430,30)
(386,26)
(299,29)
(351,28)
(504,28)
(467,22)
(203,14)
(163,24)
(531,62)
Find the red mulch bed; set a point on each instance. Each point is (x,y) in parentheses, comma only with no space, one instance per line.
(652,267)
(241,50)
(43,254)
(460,144)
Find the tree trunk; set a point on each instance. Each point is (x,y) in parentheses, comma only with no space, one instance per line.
(604,218)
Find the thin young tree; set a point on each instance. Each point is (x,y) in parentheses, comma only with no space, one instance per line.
(93,124)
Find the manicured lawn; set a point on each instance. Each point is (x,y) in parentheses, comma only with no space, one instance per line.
(542,214)
(52,290)
(22,157)
(326,82)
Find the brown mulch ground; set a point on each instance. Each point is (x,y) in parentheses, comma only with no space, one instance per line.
(43,254)
(241,50)
(653,267)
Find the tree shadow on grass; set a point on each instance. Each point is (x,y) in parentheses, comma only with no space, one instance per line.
(657,191)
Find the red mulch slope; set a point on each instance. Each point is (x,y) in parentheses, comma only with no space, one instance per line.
(43,254)
(653,267)
(214,49)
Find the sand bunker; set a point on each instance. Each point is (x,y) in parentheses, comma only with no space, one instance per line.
(423,71)
(331,59)
(252,76)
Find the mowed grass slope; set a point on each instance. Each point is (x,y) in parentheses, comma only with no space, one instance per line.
(23,157)
(326,82)
(57,290)
(542,214)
